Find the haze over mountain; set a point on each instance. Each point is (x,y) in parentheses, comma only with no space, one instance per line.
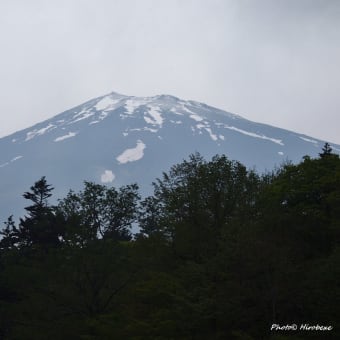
(117,139)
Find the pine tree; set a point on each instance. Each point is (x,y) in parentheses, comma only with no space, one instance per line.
(9,235)
(40,227)
(326,150)
(39,195)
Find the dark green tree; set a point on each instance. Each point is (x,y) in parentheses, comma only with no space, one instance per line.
(298,227)
(199,199)
(326,150)
(198,210)
(9,235)
(223,253)
(99,212)
(40,227)
(39,195)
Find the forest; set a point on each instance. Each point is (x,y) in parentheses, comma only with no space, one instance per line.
(218,251)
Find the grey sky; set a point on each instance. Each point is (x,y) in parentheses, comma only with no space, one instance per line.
(271,61)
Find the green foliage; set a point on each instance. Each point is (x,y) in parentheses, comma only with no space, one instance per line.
(10,235)
(197,200)
(326,151)
(39,194)
(40,228)
(98,211)
(222,253)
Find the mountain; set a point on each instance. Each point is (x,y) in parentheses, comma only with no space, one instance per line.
(117,139)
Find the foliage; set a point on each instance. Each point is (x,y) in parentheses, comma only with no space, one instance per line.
(221,253)
(98,211)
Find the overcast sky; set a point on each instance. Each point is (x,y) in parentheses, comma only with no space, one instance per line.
(271,61)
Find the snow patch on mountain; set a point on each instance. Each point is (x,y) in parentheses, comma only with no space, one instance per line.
(193,115)
(11,161)
(335,149)
(4,164)
(111,135)
(106,103)
(31,134)
(103,115)
(132,104)
(69,135)
(107,176)
(79,113)
(196,117)
(133,154)
(252,134)
(309,140)
(145,128)
(184,107)
(149,120)
(16,158)
(211,134)
(155,114)
(84,115)
(205,126)
(175,111)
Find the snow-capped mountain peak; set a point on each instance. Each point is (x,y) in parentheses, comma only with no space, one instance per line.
(119,139)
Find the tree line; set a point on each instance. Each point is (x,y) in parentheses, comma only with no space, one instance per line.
(218,252)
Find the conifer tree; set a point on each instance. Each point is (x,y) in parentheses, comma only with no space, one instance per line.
(326,150)
(9,235)
(40,227)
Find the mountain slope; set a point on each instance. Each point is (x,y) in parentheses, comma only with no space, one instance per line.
(119,139)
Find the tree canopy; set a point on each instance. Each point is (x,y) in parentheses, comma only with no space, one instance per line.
(218,252)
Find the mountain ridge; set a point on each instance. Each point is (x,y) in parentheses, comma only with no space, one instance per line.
(117,139)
